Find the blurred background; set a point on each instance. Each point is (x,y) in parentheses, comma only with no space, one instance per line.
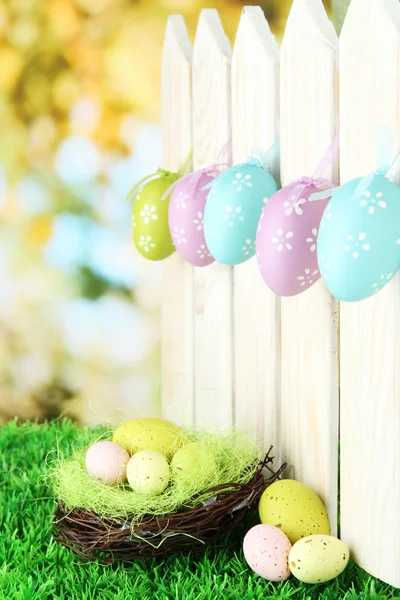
(79,117)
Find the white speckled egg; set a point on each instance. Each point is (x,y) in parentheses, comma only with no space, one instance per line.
(318,558)
(107,461)
(266,549)
(148,472)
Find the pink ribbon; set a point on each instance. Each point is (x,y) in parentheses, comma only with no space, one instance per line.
(194,178)
(316,178)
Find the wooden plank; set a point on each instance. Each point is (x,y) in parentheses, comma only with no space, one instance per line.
(177,306)
(370,349)
(255,124)
(309,321)
(213,320)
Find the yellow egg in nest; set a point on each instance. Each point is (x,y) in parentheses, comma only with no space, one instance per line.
(150,434)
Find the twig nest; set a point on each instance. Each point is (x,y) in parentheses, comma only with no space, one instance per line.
(194,465)
(266,550)
(150,434)
(148,472)
(107,461)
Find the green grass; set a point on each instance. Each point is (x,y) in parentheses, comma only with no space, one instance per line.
(34,567)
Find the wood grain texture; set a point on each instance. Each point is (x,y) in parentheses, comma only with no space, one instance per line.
(213,315)
(370,357)
(309,321)
(255,124)
(177,307)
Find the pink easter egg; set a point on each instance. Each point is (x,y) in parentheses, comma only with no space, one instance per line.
(185,217)
(266,550)
(286,242)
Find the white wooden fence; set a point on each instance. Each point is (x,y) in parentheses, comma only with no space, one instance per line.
(232,351)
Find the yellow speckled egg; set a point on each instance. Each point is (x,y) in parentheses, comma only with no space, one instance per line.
(148,472)
(150,434)
(318,558)
(294,508)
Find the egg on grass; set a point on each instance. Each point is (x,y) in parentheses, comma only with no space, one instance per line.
(107,461)
(148,472)
(294,508)
(266,550)
(318,558)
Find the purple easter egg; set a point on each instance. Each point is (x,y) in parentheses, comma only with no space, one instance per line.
(185,217)
(286,240)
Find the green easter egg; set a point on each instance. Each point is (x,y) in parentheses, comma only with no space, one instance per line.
(150,219)
(194,465)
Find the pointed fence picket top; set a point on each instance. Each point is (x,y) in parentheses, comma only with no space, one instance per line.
(255,124)
(309,360)
(213,302)
(369,338)
(177,305)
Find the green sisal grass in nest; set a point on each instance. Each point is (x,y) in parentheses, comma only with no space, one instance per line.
(33,566)
(236,459)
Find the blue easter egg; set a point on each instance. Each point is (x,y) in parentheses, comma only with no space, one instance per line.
(359,239)
(232,212)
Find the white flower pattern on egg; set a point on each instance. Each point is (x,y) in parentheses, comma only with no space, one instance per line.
(149,214)
(325,267)
(282,240)
(241,181)
(371,202)
(307,278)
(145,241)
(355,245)
(180,200)
(312,240)
(294,204)
(249,247)
(382,282)
(203,252)
(199,221)
(231,215)
(179,235)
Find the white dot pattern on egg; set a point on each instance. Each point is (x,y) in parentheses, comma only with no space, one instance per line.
(185,216)
(358,251)
(232,212)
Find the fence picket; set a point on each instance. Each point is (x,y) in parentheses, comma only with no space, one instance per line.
(370,357)
(177,307)
(213,317)
(255,124)
(309,360)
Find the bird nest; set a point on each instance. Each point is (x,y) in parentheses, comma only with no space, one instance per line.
(112,540)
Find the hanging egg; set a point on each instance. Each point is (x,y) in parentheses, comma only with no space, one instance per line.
(287,239)
(150,218)
(233,210)
(359,238)
(186,213)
